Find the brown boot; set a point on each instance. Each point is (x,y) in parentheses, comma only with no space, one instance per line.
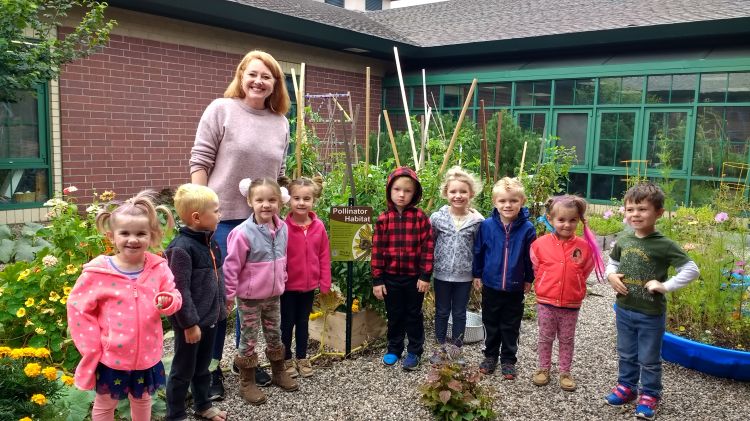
(248,389)
(279,376)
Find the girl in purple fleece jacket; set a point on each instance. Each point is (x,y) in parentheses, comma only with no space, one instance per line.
(254,275)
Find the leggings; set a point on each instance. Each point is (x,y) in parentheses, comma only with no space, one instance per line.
(104,408)
(560,322)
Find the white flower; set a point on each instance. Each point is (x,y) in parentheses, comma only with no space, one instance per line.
(245,186)
(285,195)
(49,260)
(93,209)
(71,189)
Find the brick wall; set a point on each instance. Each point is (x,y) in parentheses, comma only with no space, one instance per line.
(129,114)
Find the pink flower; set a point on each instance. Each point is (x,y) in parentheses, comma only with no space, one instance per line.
(607,214)
(622,209)
(721,217)
(740,263)
(740,271)
(71,189)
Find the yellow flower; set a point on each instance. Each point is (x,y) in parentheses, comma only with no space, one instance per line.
(66,290)
(21,312)
(315,315)
(1,291)
(32,369)
(25,419)
(28,323)
(67,380)
(107,196)
(50,373)
(40,331)
(355,305)
(681,328)
(54,296)
(23,275)
(71,270)
(41,353)
(4,350)
(39,399)
(29,302)
(63,300)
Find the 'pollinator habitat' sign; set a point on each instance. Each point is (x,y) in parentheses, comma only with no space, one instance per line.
(351,233)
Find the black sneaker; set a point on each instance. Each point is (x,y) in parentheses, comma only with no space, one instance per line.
(235,369)
(216,390)
(262,378)
(488,365)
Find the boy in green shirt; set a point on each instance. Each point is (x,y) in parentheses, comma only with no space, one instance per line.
(637,271)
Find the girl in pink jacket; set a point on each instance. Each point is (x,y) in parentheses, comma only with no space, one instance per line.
(114,311)
(309,268)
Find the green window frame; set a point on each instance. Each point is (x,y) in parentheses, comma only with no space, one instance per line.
(25,159)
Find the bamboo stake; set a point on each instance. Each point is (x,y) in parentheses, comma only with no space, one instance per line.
(406,109)
(523,159)
(367,120)
(424,90)
(298,140)
(483,165)
(377,149)
(448,151)
(425,135)
(390,134)
(497,144)
(354,126)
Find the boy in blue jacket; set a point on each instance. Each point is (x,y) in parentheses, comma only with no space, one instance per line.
(502,269)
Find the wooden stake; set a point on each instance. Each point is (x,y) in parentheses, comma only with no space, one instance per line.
(523,159)
(390,134)
(300,92)
(448,151)
(297,140)
(406,109)
(367,120)
(497,145)
(483,164)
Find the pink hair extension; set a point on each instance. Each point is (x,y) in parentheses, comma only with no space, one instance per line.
(571,201)
(590,238)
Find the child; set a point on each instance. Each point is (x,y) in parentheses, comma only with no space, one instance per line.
(114,308)
(502,269)
(308,268)
(402,250)
(453,228)
(637,271)
(255,273)
(195,260)
(560,288)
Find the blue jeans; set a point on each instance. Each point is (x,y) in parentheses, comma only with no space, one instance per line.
(221,234)
(451,298)
(639,338)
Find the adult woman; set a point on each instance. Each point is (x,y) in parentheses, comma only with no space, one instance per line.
(245,134)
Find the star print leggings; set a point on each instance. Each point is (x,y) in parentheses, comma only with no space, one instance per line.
(560,322)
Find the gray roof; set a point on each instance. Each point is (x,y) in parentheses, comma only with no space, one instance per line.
(470,21)
(327,14)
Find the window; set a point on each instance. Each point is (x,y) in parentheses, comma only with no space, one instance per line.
(670,89)
(455,95)
(574,92)
(24,157)
(620,90)
(496,94)
(374,5)
(722,134)
(616,137)
(339,3)
(533,93)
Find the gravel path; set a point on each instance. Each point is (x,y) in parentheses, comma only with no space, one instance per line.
(361,388)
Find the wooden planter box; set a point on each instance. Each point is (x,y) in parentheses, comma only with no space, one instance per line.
(367,326)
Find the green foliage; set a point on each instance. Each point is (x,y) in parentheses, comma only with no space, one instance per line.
(607,224)
(34,293)
(452,392)
(24,246)
(714,309)
(36,56)
(28,388)
(547,179)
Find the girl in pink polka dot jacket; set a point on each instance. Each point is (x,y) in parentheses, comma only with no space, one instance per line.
(114,311)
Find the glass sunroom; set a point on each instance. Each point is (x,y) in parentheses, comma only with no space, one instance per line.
(625,114)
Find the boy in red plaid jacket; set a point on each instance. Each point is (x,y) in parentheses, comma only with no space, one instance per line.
(402,248)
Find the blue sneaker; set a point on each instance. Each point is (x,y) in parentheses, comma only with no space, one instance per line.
(390,359)
(646,408)
(620,395)
(411,362)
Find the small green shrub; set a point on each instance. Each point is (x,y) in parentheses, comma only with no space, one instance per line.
(452,392)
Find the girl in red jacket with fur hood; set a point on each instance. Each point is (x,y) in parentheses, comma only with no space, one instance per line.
(562,263)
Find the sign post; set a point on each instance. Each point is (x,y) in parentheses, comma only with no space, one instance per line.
(351,240)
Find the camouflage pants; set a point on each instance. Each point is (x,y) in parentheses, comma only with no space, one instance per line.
(256,313)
